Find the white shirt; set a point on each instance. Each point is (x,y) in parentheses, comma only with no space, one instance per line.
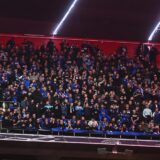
(93,123)
(147,112)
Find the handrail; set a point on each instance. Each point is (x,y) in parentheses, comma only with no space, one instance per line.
(91,133)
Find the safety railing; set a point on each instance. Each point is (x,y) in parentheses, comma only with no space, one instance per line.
(88,133)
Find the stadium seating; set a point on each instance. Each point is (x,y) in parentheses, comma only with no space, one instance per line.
(79,90)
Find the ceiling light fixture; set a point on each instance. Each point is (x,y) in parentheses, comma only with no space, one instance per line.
(154,31)
(55,32)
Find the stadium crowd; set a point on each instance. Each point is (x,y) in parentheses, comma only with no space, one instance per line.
(78,88)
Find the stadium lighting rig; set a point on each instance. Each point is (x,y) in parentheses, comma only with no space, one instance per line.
(55,32)
(156,29)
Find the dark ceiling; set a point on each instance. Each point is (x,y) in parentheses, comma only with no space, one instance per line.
(102,19)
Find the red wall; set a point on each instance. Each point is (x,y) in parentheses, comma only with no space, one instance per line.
(107,46)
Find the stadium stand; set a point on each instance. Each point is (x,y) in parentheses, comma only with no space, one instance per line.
(79,90)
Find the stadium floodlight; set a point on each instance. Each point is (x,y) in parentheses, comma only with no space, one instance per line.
(64,18)
(154,31)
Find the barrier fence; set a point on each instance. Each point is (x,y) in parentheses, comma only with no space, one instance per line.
(86,133)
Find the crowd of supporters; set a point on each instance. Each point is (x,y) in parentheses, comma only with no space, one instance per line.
(78,88)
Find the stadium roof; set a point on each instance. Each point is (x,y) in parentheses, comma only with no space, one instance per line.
(101,19)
